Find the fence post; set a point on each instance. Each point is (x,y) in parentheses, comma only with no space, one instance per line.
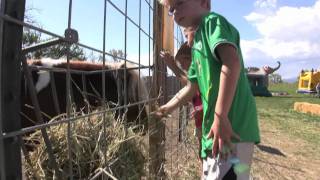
(10,65)
(163,39)
(156,128)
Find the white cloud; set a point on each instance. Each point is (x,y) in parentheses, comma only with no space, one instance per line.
(292,23)
(290,34)
(265,4)
(279,49)
(254,16)
(263,9)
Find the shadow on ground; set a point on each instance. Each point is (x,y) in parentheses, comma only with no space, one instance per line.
(270,150)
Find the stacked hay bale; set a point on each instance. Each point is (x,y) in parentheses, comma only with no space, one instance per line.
(95,145)
(305,107)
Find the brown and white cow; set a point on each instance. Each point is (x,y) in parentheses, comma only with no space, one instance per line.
(86,88)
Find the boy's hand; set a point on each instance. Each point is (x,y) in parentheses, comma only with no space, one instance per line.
(160,113)
(167,58)
(222,133)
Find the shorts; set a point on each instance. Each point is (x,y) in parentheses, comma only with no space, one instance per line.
(217,169)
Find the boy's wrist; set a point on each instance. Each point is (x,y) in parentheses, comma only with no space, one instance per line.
(221,116)
(165,109)
(174,68)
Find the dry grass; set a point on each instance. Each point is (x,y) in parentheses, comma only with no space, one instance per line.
(181,156)
(95,145)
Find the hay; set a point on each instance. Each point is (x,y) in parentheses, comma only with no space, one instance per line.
(119,152)
(304,107)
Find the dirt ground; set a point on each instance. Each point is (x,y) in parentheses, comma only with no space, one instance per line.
(278,156)
(181,154)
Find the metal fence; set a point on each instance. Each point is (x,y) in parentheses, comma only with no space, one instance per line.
(13,61)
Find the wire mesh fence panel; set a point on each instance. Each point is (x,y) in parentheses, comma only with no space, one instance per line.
(84,101)
(90,76)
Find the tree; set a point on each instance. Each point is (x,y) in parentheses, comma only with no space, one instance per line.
(275,78)
(32,37)
(117,54)
(61,50)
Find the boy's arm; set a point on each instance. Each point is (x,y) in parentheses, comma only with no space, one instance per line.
(221,130)
(182,97)
(229,76)
(169,60)
(181,75)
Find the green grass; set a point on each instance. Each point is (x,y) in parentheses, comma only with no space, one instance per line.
(288,87)
(279,112)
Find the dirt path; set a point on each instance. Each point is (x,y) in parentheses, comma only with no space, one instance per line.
(279,156)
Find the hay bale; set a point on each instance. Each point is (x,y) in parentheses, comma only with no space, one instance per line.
(120,149)
(305,107)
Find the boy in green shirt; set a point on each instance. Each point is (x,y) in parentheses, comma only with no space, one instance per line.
(230,126)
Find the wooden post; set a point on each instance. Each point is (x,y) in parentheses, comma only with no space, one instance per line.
(156,128)
(163,39)
(10,65)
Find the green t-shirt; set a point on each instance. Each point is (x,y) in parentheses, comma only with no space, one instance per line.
(205,70)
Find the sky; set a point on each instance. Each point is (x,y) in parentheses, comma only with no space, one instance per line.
(271,30)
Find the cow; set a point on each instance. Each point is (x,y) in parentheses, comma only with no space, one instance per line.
(85,87)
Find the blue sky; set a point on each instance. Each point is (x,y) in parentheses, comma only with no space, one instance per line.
(271,30)
(87,19)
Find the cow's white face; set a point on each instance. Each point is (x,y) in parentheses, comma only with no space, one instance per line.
(44,76)
(43,80)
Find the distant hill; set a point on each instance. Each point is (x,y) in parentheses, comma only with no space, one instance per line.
(290,80)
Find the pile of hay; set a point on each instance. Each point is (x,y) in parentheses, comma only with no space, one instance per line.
(120,151)
(305,107)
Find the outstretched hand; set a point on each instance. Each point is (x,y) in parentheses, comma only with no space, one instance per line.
(221,132)
(160,113)
(167,58)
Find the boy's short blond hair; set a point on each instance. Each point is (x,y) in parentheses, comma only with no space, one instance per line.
(167,3)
